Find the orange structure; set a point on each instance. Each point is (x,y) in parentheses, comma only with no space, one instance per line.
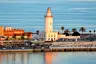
(13,32)
(1,30)
(8,32)
(18,31)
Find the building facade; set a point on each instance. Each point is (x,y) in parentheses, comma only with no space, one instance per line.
(10,32)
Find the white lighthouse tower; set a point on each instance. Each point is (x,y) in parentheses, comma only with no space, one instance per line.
(49,34)
(48,21)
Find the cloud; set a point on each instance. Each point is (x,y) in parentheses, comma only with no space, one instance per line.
(81,8)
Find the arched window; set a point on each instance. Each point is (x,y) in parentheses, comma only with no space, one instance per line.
(51,35)
(54,35)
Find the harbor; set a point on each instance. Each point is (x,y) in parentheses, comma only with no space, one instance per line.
(52,47)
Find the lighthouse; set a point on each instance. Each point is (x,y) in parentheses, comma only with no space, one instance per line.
(49,34)
(48,21)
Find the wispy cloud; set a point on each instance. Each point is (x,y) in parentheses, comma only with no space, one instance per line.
(80,8)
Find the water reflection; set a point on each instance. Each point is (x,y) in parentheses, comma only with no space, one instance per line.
(48,58)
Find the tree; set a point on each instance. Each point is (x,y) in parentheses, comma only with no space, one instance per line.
(82,29)
(74,30)
(76,34)
(94,32)
(66,31)
(90,31)
(37,32)
(62,28)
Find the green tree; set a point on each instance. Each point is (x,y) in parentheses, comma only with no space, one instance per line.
(82,29)
(37,32)
(62,28)
(94,32)
(74,30)
(90,31)
(76,34)
(66,31)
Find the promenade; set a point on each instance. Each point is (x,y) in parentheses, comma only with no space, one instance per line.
(59,46)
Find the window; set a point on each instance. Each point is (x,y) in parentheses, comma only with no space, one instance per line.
(51,35)
(54,35)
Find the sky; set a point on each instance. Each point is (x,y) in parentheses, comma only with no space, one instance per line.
(44,1)
(29,14)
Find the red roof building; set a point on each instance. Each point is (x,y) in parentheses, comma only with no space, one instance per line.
(28,34)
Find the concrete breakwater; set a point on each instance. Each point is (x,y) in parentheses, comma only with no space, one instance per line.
(51,50)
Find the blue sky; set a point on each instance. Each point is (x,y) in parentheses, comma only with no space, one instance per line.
(43,1)
(29,14)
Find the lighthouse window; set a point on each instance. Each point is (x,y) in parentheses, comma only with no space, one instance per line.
(49,35)
(50,23)
(54,35)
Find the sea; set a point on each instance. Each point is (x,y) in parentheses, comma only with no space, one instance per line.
(48,58)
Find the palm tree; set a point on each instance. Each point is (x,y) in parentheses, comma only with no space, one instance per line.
(82,29)
(37,32)
(66,31)
(90,31)
(74,30)
(62,28)
(94,32)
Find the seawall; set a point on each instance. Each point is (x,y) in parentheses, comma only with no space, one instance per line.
(51,50)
